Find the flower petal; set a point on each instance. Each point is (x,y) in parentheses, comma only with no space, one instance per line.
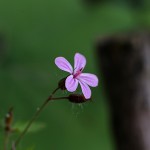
(85,90)
(71,83)
(79,62)
(63,64)
(89,79)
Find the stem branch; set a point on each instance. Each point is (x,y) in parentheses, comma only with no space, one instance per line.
(58,98)
(34,118)
(6,140)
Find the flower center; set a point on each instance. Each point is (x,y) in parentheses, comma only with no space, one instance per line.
(77,73)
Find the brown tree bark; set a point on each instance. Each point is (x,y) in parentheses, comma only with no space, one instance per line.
(125,65)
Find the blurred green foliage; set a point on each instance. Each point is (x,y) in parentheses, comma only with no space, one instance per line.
(36,126)
(36,32)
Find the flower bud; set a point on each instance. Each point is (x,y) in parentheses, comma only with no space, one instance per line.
(61,84)
(77,98)
(8,120)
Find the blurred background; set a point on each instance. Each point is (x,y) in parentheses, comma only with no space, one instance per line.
(32,34)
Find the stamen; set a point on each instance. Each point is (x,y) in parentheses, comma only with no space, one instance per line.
(81,69)
(78,73)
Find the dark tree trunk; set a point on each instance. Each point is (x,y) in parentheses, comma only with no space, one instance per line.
(125,65)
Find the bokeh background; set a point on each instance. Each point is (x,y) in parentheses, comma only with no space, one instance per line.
(32,34)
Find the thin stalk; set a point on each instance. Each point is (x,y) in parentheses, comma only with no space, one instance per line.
(34,118)
(6,140)
(58,98)
(13,146)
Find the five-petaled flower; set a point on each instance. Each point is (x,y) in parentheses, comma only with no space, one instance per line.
(76,76)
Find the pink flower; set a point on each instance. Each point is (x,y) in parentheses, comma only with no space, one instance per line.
(76,76)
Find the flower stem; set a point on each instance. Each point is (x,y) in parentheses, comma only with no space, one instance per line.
(6,141)
(34,118)
(58,98)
